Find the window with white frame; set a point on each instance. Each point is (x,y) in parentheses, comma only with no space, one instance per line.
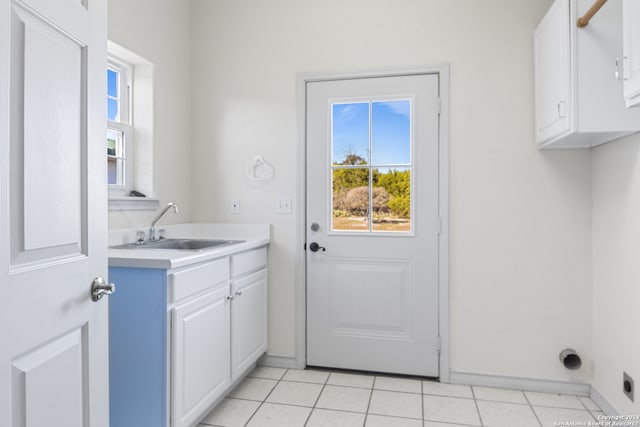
(129,130)
(119,126)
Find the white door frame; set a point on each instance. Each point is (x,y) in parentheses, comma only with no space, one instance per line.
(443,202)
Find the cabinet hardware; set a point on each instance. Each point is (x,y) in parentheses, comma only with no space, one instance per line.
(562,111)
(620,63)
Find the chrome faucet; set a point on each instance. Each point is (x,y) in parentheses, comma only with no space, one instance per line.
(152,229)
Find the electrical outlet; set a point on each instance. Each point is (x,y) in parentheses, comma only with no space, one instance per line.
(235,206)
(627,385)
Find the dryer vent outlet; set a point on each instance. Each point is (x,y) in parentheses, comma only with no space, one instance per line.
(570,359)
(627,385)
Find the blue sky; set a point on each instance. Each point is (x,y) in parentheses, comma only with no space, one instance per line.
(390,131)
(112,94)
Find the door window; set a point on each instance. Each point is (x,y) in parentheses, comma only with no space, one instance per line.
(371,163)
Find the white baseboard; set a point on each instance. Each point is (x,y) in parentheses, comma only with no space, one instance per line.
(516,383)
(602,402)
(278,361)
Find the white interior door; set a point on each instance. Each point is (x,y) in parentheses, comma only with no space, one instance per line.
(54,351)
(372,224)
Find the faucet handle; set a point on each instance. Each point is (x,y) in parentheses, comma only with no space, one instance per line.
(140,236)
(162,234)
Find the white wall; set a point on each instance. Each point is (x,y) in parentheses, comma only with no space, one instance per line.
(616,269)
(520,218)
(158,30)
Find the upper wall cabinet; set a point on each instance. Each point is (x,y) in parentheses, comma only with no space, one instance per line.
(631,51)
(578,98)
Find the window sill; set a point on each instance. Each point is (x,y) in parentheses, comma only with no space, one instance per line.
(133,204)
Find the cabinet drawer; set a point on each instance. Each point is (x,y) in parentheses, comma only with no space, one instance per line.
(249,261)
(190,281)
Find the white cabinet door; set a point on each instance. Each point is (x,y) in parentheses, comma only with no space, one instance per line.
(578,99)
(53,225)
(631,49)
(200,355)
(248,321)
(552,73)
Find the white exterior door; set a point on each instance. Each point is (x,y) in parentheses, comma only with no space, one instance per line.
(54,343)
(372,224)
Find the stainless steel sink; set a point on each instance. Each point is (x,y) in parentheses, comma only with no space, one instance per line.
(180,244)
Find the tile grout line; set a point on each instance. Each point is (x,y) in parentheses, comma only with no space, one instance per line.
(535,414)
(373,387)
(343,385)
(591,411)
(265,399)
(324,385)
(422,400)
(292,405)
(475,402)
(587,409)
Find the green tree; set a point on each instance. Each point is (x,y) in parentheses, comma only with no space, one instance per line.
(391,189)
(398,185)
(348,178)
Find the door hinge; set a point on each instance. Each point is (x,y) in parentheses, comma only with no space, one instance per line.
(438,345)
(438,105)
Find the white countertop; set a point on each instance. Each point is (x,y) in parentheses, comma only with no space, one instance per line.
(254,235)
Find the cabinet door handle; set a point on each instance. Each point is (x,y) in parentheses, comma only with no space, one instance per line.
(229,297)
(562,109)
(621,63)
(238,293)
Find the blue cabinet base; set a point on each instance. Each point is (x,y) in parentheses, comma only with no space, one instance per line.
(138,348)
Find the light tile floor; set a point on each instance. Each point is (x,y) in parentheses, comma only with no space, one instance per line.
(315,398)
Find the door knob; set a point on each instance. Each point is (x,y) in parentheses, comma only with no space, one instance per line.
(314,247)
(100,288)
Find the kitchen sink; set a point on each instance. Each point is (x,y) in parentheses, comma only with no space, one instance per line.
(180,244)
